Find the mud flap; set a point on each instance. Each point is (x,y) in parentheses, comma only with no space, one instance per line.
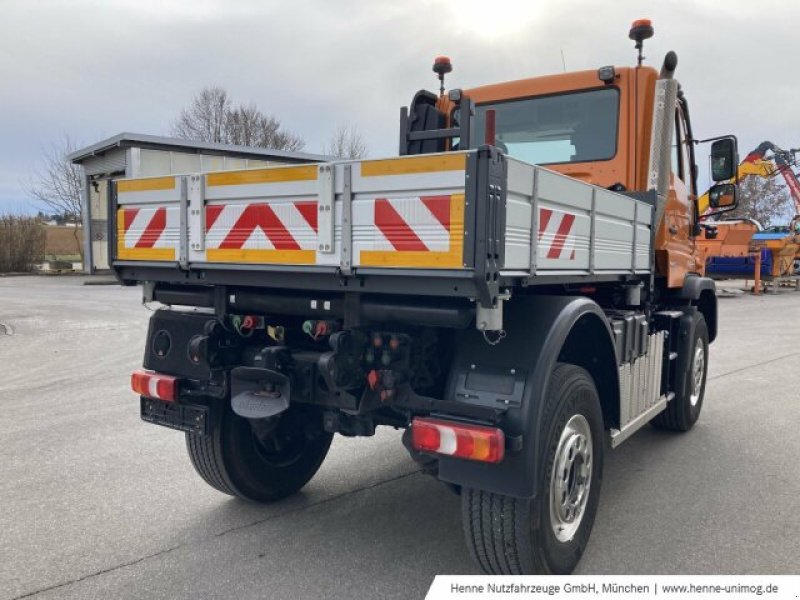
(538,327)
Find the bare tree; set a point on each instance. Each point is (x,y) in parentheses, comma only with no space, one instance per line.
(204,119)
(212,117)
(346,142)
(765,200)
(56,185)
(248,126)
(243,125)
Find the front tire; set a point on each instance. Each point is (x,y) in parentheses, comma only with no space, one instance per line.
(260,461)
(546,534)
(684,409)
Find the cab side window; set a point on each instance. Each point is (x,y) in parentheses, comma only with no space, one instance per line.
(681,156)
(678,155)
(675,155)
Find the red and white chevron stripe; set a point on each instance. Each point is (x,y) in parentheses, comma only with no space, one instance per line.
(155,227)
(556,234)
(416,223)
(262,226)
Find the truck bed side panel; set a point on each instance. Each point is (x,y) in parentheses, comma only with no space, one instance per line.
(148,219)
(260,216)
(409,213)
(399,217)
(560,225)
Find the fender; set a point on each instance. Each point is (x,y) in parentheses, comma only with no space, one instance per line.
(538,327)
(694,285)
(702,293)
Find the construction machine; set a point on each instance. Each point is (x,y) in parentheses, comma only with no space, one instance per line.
(727,248)
(517,291)
(779,246)
(740,248)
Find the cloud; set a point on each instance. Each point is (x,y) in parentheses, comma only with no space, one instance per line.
(94,68)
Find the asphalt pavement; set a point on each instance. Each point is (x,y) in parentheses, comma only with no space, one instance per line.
(95,503)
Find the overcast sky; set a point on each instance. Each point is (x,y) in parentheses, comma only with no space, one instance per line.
(92,69)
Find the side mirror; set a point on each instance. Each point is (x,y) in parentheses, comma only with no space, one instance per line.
(723,197)
(724,159)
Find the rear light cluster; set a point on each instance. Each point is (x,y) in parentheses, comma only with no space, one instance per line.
(473,442)
(154,385)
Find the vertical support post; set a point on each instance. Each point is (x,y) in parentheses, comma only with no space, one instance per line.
(183,240)
(193,230)
(593,235)
(490,223)
(86,223)
(111,192)
(757,274)
(534,221)
(635,234)
(325,201)
(403,131)
(346,261)
(466,110)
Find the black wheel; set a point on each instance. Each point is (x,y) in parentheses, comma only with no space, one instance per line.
(684,409)
(548,533)
(261,461)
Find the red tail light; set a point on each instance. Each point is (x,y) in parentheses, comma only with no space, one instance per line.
(473,442)
(154,385)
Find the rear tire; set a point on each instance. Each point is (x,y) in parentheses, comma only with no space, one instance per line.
(684,409)
(265,462)
(546,534)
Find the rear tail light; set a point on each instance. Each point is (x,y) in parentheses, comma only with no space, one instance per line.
(154,385)
(473,442)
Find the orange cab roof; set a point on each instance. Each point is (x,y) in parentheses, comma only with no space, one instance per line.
(535,86)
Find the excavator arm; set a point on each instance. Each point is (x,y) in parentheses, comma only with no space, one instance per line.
(758,167)
(757,163)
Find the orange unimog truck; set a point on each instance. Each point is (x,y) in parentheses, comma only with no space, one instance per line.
(516,290)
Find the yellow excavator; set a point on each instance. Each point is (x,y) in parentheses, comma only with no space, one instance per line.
(759,167)
(740,248)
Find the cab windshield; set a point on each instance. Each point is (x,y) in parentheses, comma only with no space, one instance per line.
(573,127)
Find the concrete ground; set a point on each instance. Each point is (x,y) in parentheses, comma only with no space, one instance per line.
(96,504)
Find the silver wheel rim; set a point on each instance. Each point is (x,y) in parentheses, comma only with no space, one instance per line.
(571,478)
(698,370)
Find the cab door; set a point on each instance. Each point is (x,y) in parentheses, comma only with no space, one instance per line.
(677,242)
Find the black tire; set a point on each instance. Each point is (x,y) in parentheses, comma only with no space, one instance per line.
(262,463)
(684,409)
(516,536)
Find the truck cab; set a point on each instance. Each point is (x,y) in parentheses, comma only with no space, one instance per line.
(596,126)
